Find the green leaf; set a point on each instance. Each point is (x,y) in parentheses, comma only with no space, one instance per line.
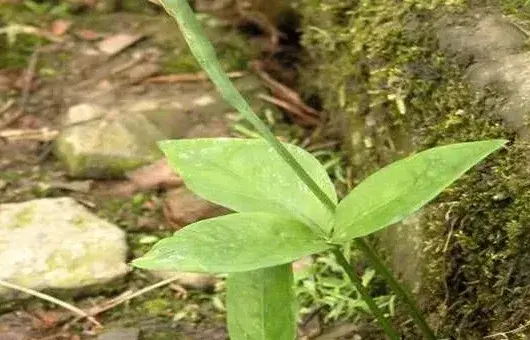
(248,175)
(261,304)
(233,243)
(399,189)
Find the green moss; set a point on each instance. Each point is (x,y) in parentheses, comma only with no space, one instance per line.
(24,217)
(377,68)
(17,54)
(156,307)
(31,13)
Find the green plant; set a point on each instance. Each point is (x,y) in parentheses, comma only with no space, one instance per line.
(286,207)
(42,8)
(324,287)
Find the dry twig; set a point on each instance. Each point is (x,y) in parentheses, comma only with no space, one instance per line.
(82,314)
(187,77)
(124,297)
(291,108)
(42,135)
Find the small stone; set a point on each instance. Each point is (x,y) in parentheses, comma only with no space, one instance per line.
(56,243)
(120,334)
(108,147)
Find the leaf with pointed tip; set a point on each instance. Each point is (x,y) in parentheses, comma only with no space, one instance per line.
(399,189)
(248,175)
(233,243)
(261,304)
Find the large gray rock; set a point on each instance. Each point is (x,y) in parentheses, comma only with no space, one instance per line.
(120,133)
(97,144)
(55,243)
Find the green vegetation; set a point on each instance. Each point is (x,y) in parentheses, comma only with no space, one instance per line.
(378,63)
(272,227)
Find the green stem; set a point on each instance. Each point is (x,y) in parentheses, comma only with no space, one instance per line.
(383,321)
(398,288)
(204,52)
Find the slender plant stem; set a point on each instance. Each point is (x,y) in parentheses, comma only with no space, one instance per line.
(383,321)
(205,54)
(398,288)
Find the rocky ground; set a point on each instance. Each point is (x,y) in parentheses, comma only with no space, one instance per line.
(84,97)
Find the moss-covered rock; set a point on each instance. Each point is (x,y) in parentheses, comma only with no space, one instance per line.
(381,73)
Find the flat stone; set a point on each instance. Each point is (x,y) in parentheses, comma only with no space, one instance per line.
(55,243)
(107,147)
(120,334)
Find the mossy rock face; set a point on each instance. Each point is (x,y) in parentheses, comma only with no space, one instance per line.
(405,76)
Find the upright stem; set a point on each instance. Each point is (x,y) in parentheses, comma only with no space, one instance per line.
(383,321)
(204,52)
(398,288)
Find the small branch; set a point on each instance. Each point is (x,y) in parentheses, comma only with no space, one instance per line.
(505,334)
(128,295)
(65,305)
(291,108)
(42,135)
(187,77)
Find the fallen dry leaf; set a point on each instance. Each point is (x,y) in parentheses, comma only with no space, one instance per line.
(156,175)
(117,43)
(182,207)
(88,35)
(60,26)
